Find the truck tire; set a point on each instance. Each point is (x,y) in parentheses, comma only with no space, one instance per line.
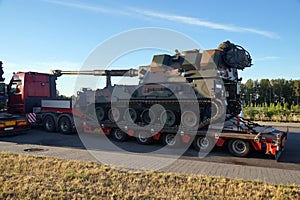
(119,135)
(49,124)
(65,125)
(171,140)
(203,144)
(143,137)
(239,147)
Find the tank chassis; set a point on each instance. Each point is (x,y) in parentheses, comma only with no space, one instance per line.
(206,81)
(184,94)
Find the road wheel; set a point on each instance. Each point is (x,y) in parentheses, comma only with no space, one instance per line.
(171,140)
(65,125)
(239,148)
(189,119)
(148,116)
(49,124)
(143,137)
(114,114)
(101,114)
(130,115)
(168,117)
(119,135)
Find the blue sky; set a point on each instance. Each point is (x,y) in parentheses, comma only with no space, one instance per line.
(40,35)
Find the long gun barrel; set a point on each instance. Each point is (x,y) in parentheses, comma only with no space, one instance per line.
(108,73)
(121,72)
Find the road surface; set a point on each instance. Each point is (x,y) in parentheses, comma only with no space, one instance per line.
(219,162)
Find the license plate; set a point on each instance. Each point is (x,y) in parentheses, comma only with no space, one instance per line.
(10,123)
(9,128)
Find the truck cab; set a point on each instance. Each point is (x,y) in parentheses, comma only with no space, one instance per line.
(26,89)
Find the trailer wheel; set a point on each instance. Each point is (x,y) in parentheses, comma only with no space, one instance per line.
(49,124)
(239,148)
(171,140)
(119,135)
(143,137)
(203,144)
(65,125)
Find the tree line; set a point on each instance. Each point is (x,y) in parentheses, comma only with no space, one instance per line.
(274,91)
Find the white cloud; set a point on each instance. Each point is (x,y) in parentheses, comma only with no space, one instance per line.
(87,7)
(208,24)
(266,58)
(148,14)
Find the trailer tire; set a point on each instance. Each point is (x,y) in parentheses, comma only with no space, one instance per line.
(171,140)
(203,144)
(49,124)
(65,125)
(239,147)
(143,138)
(119,135)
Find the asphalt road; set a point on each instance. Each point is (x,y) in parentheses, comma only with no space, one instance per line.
(289,159)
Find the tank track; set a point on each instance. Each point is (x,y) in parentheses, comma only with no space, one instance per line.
(218,113)
(233,108)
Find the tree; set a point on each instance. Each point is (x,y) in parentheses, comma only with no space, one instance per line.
(296,90)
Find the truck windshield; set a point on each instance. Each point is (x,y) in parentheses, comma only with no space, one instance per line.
(15,88)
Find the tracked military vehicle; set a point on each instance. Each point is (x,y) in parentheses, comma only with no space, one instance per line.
(190,89)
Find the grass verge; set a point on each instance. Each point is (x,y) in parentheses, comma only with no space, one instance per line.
(35,177)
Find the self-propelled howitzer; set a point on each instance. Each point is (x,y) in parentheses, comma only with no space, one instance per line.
(191,89)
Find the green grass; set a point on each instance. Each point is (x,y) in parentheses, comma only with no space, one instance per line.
(32,177)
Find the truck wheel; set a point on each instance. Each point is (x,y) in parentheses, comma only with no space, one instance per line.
(119,135)
(239,148)
(203,144)
(171,140)
(49,124)
(65,125)
(144,138)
